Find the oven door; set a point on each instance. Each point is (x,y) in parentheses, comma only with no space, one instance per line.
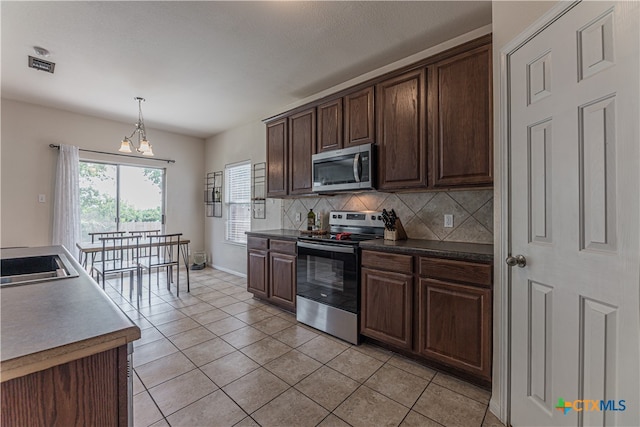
(328,274)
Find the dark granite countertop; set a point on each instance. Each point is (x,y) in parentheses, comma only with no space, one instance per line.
(457,250)
(52,322)
(282,233)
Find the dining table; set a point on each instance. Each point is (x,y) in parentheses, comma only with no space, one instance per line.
(85,249)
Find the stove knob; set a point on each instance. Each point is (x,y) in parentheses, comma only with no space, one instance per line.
(379,217)
(373,217)
(339,216)
(335,216)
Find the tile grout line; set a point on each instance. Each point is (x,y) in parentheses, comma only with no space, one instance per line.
(272,315)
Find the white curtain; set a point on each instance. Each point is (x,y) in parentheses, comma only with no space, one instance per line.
(66,202)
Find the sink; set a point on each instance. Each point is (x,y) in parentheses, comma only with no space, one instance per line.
(33,269)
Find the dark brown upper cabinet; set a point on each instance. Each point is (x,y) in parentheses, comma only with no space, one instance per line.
(400,106)
(302,144)
(330,125)
(461,119)
(359,113)
(277,162)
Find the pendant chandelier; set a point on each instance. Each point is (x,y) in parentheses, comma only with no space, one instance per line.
(143,146)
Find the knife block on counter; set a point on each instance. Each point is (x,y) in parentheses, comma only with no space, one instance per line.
(397,234)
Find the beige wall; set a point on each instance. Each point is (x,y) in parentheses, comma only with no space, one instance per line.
(28,169)
(243,143)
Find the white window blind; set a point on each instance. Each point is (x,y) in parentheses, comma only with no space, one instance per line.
(238,201)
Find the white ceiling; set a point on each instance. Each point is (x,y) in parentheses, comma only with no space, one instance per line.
(205,67)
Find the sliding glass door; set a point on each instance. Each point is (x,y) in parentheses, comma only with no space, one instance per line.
(118,197)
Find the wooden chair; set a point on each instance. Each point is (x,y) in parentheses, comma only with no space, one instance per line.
(164,252)
(119,255)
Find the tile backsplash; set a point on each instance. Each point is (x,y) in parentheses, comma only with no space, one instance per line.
(422,214)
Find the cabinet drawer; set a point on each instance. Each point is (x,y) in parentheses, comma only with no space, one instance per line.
(283,246)
(259,243)
(459,271)
(388,261)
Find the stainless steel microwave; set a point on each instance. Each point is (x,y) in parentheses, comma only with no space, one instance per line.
(342,170)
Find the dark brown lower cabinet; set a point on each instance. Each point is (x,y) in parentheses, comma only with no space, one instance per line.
(257,273)
(271,270)
(436,309)
(454,325)
(387,305)
(282,277)
(90,391)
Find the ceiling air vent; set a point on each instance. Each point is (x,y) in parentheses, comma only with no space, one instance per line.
(41,64)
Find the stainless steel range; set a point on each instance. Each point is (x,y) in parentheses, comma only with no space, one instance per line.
(328,286)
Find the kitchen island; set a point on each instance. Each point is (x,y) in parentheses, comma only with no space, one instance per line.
(64,352)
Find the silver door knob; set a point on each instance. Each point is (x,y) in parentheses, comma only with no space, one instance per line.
(518,260)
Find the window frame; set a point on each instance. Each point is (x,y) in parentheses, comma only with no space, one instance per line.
(118,165)
(230,202)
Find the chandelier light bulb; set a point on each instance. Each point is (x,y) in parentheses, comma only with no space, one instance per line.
(124,146)
(144,146)
(149,152)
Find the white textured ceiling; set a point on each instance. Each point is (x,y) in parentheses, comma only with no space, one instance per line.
(205,67)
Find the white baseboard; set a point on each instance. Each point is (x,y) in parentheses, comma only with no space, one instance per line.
(227,270)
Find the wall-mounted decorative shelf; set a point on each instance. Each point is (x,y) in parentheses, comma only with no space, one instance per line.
(258,190)
(213,194)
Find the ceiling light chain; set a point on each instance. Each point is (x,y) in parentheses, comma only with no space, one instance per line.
(143,145)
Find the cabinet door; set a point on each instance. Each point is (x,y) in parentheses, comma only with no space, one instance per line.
(330,125)
(257,273)
(462,117)
(282,280)
(359,116)
(400,104)
(387,304)
(302,144)
(277,171)
(90,391)
(454,325)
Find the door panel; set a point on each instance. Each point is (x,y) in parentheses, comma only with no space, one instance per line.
(277,160)
(454,325)
(575,152)
(597,175)
(330,125)
(401,133)
(302,144)
(387,305)
(359,117)
(282,271)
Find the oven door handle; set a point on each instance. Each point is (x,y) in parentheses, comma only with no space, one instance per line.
(328,248)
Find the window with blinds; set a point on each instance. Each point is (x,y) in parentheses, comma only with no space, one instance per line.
(238,201)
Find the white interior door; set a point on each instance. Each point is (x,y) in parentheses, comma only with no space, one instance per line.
(575,156)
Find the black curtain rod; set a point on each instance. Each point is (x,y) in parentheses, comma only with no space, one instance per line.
(118,154)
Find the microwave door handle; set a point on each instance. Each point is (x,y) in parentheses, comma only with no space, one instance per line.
(356,167)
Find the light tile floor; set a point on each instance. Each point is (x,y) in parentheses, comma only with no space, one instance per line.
(218,357)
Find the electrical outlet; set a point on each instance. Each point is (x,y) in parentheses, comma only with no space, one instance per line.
(298,216)
(448,221)
(41,198)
